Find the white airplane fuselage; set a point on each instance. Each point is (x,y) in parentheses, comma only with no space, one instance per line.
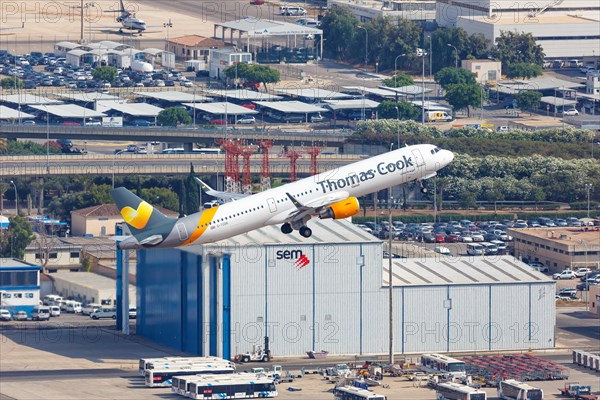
(276,206)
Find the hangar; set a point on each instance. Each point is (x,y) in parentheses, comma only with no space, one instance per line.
(330,292)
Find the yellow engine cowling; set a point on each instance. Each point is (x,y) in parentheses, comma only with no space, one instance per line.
(342,209)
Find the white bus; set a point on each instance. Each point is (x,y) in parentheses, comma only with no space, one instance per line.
(442,364)
(475,249)
(235,386)
(151,363)
(206,150)
(454,391)
(161,377)
(515,390)
(354,393)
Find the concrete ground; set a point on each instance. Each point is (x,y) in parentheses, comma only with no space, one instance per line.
(74,358)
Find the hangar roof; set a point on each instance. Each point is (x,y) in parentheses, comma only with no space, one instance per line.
(14,263)
(324,232)
(449,270)
(86,279)
(265,27)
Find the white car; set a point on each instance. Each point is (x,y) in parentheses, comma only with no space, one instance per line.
(246,120)
(581,272)
(54,311)
(567,274)
(477,237)
(104,313)
(5,315)
(571,112)
(90,308)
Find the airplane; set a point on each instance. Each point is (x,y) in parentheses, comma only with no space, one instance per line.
(10,28)
(129,21)
(225,196)
(332,194)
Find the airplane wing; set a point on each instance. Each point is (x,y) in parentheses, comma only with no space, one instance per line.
(218,194)
(14,27)
(313,207)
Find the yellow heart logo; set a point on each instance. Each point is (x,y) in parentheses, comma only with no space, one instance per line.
(137,218)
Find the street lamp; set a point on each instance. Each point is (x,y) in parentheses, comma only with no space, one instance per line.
(396,68)
(430,56)
(16,199)
(422,53)
(397,127)
(588,187)
(366,43)
(167,25)
(456,56)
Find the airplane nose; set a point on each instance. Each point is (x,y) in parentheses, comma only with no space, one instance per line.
(448,156)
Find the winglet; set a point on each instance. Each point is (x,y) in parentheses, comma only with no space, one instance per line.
(203,185)
(295,202)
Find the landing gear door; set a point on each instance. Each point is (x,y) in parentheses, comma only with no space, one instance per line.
(272,205)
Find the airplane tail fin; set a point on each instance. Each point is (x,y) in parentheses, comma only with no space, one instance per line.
(143,220)
(122,6)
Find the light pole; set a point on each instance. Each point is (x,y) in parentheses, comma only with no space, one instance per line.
(588,187)
(366,43)
(396,68)
(422,53)
(430,57)
(16,199)
(456,56)
(167,25)
(113,167)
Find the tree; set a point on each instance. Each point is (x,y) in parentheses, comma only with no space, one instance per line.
(514,47)
(173,116)
(468,46)
(163,197)
(524,70)
(105,74)
(18,236)
(401,79)
(528,100)
(453,76)
(461,96)
(338,25)
(261,74)
(12,82)
(388,38)
(192,193)
(387,110)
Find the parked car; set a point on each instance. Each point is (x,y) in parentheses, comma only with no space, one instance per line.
(317,118)
(581,272)
(142,122)
(104,313)
(5,315)
(538,266)
(566,274)
(132,313)
(90,308)
(40,313)
(73,307)
(54,311)
(571,112)
(20,316)
(246,120)
(567,292)
(590,282)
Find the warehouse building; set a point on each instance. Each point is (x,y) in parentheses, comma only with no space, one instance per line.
(19,285)
(328,292)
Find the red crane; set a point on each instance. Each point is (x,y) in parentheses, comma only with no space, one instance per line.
(233,149)
(314,152)
(293,155)
(246,153)
(265,171)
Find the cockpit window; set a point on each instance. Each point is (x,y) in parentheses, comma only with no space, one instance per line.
(435,150)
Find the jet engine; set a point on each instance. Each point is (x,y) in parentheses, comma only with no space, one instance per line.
(342,209)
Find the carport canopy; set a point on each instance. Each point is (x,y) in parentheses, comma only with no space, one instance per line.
(291,107)
(221,108)
(374,91)
(314,93)
(174,96)
(70,111)
(410,90)
(86,97)
(557,101)
(7,113)
(352,104)
(243,94)
(27,99)
(133,109)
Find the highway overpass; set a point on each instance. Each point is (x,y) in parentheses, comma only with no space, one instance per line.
(152,164)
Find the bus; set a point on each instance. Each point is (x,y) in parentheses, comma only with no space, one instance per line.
(454,391)
(514,390)
(161,377)
(151,363)
(442,364)
(235,386)
(206,150)
(355,393)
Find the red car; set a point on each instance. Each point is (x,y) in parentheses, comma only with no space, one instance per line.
(250,106)
(440,238)
(452,238)
(218,121)
(257,2)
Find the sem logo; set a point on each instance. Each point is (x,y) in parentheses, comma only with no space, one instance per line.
(301,259)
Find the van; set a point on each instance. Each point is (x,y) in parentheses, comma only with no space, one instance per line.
(289,10)
(53,300)
(475,249)
(54,311)
(437,116)
(90,308)
(499,244)
(40,313)
(489,248)
(74,307)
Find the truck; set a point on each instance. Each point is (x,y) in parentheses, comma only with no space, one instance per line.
(437,116)
(576,391)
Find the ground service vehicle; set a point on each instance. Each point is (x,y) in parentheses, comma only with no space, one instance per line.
(152,363)
(443,364)
(257,354)
(437,116)
(161,377)
(515,390)
(354,393)
(454,391)
(576,391)
(233,386)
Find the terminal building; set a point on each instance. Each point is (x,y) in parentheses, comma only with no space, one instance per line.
(19,285)
(330,292)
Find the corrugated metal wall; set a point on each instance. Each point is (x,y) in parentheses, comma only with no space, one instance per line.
(317,297)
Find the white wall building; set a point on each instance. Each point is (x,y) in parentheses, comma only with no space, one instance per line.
(366,10)
(484,70)
(220,59)
(88,287)
(592,83)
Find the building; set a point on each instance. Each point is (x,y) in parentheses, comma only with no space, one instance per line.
(558,248)
(88,287)
(220,59)
(19,285)
(366,10)
(594,294)
(592,83)
(484,70)
(330,292)
(100,220)
(193,47)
